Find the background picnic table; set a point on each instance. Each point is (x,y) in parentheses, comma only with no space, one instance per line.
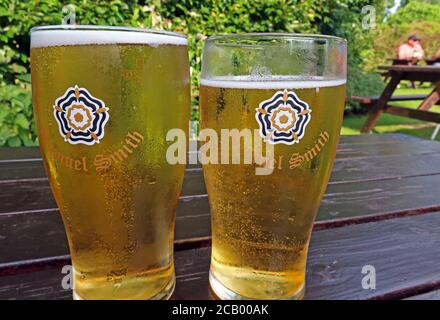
(396,74)
(381,208)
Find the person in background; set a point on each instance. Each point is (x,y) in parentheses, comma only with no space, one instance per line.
(411,51)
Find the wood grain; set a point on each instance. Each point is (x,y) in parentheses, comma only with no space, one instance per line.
(18,154)
(422,115)
(26,170)
(372,99)
(383,191)
(432,295)
(35,193)
(378,107)
(41,234)
(401,250)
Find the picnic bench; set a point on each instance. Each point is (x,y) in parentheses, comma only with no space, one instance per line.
(395,61)
(381,208)
(428,61)
(396,74)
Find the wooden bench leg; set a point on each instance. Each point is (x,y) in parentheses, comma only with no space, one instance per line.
(432,99)
(380,105)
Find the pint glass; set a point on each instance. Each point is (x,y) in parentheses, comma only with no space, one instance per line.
(104,99)
(289,91)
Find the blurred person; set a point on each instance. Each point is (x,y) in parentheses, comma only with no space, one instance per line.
(411,51)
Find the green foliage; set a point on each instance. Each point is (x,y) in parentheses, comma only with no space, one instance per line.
(344,19)
(415,11)
(16,125)
(198,19)
(415,17)
(362,84)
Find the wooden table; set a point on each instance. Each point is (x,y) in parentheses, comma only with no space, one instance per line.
(428,61)
(396,61)
(381,208)
(396,74)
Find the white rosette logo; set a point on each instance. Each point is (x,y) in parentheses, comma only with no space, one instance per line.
(81,117)
(283,118)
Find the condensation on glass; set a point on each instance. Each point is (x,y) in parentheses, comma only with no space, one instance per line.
(104,99)
(290,88)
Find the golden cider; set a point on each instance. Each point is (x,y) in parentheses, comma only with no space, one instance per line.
(117,194)
(261,224)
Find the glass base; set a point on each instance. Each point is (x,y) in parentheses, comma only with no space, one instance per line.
(165,294)
(224,293)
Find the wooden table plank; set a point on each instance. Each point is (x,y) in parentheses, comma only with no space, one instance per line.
(20,153)
(35,193)
(22,170)
(23,154)
(412,68)
(401,250)
(370,198)
(350,147)
(34,169)
(44,284)
(373,179)
(432,295)
(384,167)
(342,204)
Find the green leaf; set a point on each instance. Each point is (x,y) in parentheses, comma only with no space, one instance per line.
(24,77)
(14,142)
(18,68)
(21,121)
(4,12)
(4,111)
(26,138)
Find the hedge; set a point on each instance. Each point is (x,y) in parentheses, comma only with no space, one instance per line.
(195,18)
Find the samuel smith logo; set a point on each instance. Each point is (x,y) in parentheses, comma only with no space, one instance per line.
(81,117)
(283,118)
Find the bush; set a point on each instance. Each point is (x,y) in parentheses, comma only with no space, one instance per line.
(16,125)
(362,84)
(195,18)
(416,17)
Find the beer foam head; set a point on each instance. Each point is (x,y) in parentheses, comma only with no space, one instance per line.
(271,82)
(83,35)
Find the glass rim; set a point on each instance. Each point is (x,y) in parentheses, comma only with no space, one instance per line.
(275,36)
(83,27)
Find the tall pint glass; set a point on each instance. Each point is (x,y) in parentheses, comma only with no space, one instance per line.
(289,90)
(104,99)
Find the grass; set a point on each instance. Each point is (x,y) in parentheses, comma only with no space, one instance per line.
(394,124)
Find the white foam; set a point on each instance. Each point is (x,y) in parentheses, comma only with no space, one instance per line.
(271,82)
(52,38)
